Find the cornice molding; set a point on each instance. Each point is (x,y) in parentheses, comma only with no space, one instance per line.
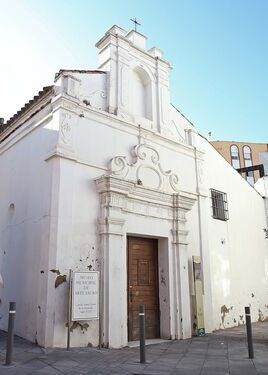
(106,185)
(123,124)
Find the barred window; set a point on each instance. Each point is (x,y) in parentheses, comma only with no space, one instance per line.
(219,205)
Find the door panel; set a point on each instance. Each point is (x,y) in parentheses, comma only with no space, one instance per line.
(143,286)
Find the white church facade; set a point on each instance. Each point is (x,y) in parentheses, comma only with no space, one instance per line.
(100,172)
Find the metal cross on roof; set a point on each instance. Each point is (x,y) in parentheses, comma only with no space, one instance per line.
(135,21)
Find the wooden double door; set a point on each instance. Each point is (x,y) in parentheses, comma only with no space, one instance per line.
(143,286)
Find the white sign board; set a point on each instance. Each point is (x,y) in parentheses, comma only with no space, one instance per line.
(85,295)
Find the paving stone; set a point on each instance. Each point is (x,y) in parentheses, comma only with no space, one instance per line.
(11,370)
(186,372)
(206,371)
(48,370)
(216,364)
(214,354)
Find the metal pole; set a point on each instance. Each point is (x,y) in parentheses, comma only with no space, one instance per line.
(142,334)
(249,332)
(10,332)
(69,310)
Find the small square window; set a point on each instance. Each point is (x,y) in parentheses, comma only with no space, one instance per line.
(219,205)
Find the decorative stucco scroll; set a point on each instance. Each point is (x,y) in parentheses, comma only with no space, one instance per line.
(146,170)
(200,172)
(65,130)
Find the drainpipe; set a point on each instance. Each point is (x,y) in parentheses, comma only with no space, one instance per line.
(199,215)
(177,291)
(265,197)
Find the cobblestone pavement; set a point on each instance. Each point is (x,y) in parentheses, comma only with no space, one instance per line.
(223,352)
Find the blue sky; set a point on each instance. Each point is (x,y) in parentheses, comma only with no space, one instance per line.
(218,50)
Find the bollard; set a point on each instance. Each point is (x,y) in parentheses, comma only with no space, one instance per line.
(10,332)
(142,334)
(249,332)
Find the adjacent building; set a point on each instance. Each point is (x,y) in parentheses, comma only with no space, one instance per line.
(101,172)
(242,155)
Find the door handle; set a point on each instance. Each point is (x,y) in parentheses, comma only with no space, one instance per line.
(130,294)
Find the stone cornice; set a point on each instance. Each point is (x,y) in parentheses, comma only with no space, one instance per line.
(110,184)
(129,188)
(113,39)
(63,101)
(114,121)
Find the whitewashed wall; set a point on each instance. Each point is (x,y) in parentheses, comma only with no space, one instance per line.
(261,186)
(238,248)
(25,192)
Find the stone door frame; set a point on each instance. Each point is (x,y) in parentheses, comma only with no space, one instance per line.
(123,197)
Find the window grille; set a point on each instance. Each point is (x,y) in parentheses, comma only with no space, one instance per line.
(219,205)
